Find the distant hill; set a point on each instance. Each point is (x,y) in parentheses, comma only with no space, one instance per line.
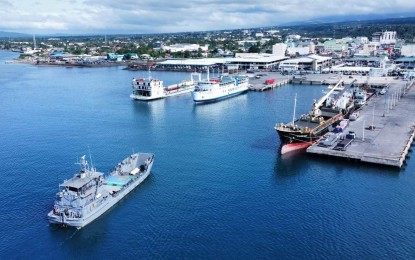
(354,18)
(4,34)
(405,28)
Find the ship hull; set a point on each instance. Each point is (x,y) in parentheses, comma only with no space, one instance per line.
(204,96)
(144,98)
(212,90)
(294,147)
(298,137)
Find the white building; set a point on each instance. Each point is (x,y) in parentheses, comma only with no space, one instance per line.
(298,50)
(388,37)
(362,40)
(185,47)
(279,49)
(370,48)
(408,50)
(293,37)
(272,32)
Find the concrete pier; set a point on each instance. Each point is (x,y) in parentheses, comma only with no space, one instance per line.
(384,130)
(263,86)
(258,81)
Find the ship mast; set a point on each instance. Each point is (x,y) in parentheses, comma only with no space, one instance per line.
(295,105)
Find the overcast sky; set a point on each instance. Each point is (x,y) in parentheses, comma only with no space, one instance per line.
(156,16)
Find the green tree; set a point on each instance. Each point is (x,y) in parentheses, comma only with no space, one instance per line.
(254,49)
(187,54)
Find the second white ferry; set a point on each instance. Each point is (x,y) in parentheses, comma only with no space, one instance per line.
(213,89)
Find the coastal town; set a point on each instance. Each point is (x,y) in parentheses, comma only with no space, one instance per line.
(268,49)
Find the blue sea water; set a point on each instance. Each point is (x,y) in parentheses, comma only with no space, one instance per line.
(219,187)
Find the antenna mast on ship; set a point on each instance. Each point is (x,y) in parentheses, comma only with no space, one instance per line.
(149,73)
(90,158)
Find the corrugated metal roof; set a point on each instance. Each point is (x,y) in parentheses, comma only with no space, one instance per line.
(406,59)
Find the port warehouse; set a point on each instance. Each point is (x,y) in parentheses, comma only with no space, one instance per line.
(246,61)
(312,62)
(242,61)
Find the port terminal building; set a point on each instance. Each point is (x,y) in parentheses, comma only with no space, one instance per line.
(311,62)
(241,61)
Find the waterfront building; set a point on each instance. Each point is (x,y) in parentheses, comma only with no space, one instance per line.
(256,60)
(352,70)
(310,62)
(242,61)
(114,57)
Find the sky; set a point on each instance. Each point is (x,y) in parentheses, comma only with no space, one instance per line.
(164,16)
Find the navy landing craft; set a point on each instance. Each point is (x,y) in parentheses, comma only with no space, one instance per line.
(88,194)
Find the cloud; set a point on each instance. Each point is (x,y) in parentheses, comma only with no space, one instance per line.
(147,16)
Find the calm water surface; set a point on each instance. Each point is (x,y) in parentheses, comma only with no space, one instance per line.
(219,187)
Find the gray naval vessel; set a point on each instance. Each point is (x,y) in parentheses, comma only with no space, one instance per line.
(88,194)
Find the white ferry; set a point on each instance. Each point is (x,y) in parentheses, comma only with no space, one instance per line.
(213,89)
(151,89)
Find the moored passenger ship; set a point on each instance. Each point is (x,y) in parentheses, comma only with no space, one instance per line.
(88,194)
(214,89)
(147,89)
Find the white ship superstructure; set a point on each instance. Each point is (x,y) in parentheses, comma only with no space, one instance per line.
(147,89)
